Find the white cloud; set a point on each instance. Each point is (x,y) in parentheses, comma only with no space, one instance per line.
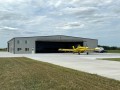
(71,25)
(36,20)
(80,10)
(8,1)
(8,28)
(55,3)
(7,15)
(91,2)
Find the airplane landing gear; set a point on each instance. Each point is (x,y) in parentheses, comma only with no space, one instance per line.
(87,53)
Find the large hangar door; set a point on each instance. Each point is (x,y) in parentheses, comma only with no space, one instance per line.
(52,47)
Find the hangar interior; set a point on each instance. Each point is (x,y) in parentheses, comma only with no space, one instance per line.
(52,47)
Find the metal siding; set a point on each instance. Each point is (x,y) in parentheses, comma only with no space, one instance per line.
(11,45)
(30,44)
(91,43)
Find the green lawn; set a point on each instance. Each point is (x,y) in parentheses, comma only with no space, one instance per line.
(111,59)
(113,51)
(27,74)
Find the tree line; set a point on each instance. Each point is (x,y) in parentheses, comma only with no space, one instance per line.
(109,47)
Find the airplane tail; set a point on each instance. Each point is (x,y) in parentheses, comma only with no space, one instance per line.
(73,47)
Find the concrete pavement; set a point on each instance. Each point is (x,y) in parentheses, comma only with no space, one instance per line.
(86,63)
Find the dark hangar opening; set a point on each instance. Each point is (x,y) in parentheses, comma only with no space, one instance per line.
(52,47)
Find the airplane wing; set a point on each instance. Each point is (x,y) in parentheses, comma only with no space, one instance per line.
(90,50)
(66,50)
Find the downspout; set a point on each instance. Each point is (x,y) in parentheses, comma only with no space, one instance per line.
(14,45)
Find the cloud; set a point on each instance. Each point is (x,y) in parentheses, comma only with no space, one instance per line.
(55,3)
(30,33)
(71,25)
(8,28)
(8,1)
(7,15)
(91,2)
(36,20)
(80,10)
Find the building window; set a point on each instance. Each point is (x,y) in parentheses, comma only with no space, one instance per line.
(18,49)
(18,41)
(25,41)
(26,49)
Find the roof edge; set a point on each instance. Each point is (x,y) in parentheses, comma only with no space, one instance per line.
(53,35)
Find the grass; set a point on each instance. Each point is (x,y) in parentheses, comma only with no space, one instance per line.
(27,74)
(111,59)
(113,51)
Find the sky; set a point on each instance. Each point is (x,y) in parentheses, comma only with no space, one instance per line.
(97,19)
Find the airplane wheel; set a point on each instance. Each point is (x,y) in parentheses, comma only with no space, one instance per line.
(78,53)
(87,53)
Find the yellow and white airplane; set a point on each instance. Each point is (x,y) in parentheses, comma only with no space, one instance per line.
(79,49)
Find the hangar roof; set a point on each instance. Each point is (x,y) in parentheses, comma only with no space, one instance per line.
(58,38)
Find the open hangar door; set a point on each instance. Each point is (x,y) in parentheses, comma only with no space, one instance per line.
(52,47)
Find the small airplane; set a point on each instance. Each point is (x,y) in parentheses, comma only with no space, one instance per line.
(79,49)
(99,50)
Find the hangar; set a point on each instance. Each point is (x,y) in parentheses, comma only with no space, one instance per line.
(47,44)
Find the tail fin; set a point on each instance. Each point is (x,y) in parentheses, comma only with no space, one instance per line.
(73,47)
